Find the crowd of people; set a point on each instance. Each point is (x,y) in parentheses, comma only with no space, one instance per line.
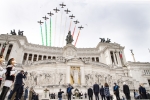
(104,92)
(14,79)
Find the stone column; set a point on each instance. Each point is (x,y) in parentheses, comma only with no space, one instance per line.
(82,78)
(27,56)
(1,47)
(37,57)
(118,58)
(32,57)
(123,57)
(114,58)
(5,51)
(68,74)
(42,57)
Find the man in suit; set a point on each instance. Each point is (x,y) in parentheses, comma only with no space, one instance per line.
(96,91)
(60,94)
(17,85)
(116,91)
(102,92)
(142,91)
(21,90)
(90,94)
(69,93)
(126,91)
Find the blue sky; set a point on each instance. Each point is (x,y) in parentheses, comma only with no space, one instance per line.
(126,22)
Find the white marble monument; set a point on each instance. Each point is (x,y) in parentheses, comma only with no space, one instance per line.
(54,67)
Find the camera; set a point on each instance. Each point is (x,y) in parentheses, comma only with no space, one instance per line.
(25,73)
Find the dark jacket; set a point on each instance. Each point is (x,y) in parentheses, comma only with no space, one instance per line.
(69,90)
(26,93)
(8,76)
(142,90)
(106,91)
(19,78)
(90,92)
(60,94)
(126,89)
(96,88)
(116,89)
(102,91)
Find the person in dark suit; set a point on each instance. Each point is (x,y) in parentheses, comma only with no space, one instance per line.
(142,91)
(18,83)
(90,94)
(96,91)
(21,90)
(102,92)
(116,91)
(126,91)
(60,94)
(69,93)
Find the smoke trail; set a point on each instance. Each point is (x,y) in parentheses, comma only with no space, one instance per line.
(64,32)
(60,28)
(55,30)
(50,32)
(42,35)
(74,31)
(77,38)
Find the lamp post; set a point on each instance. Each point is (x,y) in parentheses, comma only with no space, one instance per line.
(46,92)
(4,45)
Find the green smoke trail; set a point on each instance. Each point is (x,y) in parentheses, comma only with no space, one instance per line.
(42,35)
(50,31)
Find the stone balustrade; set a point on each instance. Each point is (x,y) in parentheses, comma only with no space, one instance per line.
(146,72)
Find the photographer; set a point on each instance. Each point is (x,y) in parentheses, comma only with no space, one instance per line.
(60,94)
(18,83)
(69,93)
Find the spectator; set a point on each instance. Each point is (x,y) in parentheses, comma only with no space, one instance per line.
(18,83)
(85,95)
(135,94)
(10,76)
(60,94)
(49,95)
(36,96)
(2,71)
(116,91)
(126,91)
(31,93)
(54,96)
(90,94)
(26,93)
(102,92)
(96,91)
(69,93)
(106,91)
(81,95)
(142,91)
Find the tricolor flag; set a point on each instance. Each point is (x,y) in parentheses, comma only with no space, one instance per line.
(120,55)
